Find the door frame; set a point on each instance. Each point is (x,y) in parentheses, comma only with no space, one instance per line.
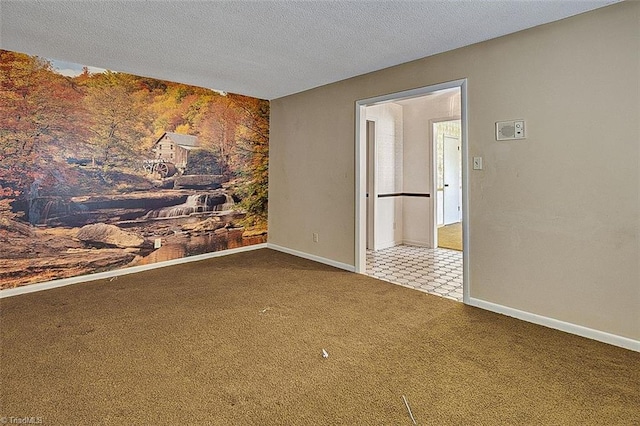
(372,181)
(361,172)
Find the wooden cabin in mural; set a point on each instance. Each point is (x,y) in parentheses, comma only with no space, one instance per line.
(174,148)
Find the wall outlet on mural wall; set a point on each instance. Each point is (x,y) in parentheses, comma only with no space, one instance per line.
(157,243)
(315,237)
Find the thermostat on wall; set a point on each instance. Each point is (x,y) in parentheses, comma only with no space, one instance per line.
(507,130)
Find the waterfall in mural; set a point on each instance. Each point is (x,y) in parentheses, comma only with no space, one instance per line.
(227,205)
(196,203)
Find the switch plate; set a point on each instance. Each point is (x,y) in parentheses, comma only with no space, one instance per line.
(315,237)
(477,163)
(157,243)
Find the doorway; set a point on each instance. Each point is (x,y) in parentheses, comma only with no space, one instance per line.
(396,188)
(448,168)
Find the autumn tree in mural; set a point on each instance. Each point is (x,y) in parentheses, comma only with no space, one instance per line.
(116,115)
(38,114)
(83,151)
(253,147)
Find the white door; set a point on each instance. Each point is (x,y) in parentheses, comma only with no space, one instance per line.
(452,182)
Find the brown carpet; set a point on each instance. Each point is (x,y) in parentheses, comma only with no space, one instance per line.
(238,340)
(450,236)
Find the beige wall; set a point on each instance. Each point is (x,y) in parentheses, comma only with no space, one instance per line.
(554,220)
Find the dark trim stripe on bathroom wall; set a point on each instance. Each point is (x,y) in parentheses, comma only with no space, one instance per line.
(404,194)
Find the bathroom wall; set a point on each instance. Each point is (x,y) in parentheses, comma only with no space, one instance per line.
(388,120)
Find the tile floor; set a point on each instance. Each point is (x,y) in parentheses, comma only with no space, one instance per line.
(435,271)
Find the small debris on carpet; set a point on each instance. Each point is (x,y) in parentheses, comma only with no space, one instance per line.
(406,403)
(325,354)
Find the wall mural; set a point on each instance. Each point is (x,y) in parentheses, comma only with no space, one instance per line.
(101,170)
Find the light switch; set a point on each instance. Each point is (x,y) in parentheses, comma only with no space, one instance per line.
(477,163)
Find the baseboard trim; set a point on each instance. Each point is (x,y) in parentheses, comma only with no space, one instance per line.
(589,333)
(31,288)
(416,243)
(313,257)
(387,244)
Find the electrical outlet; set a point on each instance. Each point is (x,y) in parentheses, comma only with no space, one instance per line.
(157,243)
(315,237)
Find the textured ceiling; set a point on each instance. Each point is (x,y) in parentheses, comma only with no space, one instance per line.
(265,49)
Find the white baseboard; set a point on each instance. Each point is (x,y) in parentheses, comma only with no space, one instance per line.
(601,336)
(313,257)
(30,288)
(416,243)
(387,244)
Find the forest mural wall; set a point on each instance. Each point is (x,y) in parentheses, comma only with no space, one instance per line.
(101,170)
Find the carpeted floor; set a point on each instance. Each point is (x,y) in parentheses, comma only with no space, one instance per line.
(450,236)
(239,339)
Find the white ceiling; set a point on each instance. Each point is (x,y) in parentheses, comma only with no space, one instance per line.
(265,49)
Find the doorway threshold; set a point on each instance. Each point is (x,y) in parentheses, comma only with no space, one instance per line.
(435,271)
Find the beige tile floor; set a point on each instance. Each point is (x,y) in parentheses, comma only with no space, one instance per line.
(434,271)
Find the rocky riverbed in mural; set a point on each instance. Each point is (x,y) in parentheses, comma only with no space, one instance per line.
(93,233)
